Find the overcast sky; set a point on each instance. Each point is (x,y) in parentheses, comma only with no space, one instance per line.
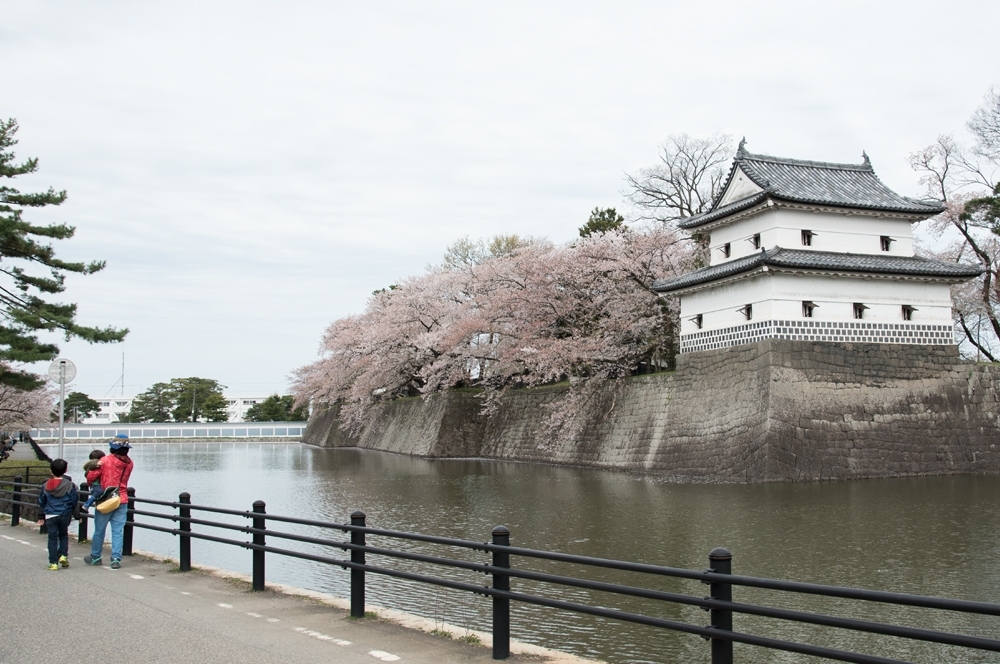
(252,171)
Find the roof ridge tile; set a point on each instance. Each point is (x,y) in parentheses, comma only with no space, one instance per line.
(847,186)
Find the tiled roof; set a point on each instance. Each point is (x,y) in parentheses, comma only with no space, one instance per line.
(813,182)
(821,260)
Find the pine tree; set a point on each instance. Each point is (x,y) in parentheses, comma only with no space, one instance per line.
(277,409)
(153,405)
(29,270)
(602,221)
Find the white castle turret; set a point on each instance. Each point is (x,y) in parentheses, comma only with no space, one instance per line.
(813,251)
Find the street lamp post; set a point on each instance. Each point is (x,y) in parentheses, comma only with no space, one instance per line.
(62,371)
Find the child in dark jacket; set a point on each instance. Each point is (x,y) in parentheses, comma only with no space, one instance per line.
(56,500)
(92,470)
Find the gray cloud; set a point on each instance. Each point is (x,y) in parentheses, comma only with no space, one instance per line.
(252,171)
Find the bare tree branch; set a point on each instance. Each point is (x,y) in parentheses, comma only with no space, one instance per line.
(684,182)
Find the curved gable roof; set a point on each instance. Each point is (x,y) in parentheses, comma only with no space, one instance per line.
(812,182)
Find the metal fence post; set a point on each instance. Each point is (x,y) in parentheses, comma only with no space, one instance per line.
(720,561)
(44,528)
(15,502)
(501,605)
(81,531)
(185,527)
(358,575)
(129,520)
(259,523)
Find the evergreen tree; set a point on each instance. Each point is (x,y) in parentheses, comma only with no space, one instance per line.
(195,399)
(180,400)
(153,405)
(79,406)
(602,221)
(984,211)
(277,409)
(30,271)
(214,408)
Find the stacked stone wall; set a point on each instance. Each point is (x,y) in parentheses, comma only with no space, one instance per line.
(771,411)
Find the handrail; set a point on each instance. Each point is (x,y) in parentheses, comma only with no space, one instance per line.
(719,602)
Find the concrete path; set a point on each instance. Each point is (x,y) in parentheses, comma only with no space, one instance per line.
(144,612)
(22,452)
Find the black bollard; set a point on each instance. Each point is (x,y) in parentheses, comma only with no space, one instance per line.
(129,520)
(721,562)
(15,502)
(185,527)
(501,605)
(358,575)
(259,523)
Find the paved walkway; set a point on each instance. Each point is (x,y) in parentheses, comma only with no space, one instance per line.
(144,612)
(22,452)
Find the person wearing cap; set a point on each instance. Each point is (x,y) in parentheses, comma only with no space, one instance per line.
(115,471)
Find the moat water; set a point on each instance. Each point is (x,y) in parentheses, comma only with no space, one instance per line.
(932,536)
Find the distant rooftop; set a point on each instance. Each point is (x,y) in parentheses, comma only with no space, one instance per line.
(812,182)
(798,259)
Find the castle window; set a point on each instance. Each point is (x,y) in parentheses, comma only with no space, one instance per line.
(908,312)
(807,309)
(807,238)
(697,320)
(747,311)
(859,310)
(725,250)
(886,242)
(755,241)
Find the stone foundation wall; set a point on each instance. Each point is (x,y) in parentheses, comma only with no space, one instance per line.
(771,411)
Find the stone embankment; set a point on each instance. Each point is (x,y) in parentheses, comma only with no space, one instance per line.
(770,411)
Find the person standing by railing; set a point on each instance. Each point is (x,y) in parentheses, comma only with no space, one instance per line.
(115,471)
(57,502)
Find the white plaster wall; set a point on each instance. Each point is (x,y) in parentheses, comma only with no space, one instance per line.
(781,227)
(739,187)
(720,306)
(780,296)
(738,236)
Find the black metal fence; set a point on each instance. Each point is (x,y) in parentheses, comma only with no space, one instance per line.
(353,541)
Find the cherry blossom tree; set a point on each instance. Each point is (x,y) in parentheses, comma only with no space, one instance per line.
(965,178)
(24,409)
(536,314)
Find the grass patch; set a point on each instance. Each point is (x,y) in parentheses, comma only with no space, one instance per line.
(239,583)
(443,633)
(176,569)
(36,470)
(471,638)
(369,615)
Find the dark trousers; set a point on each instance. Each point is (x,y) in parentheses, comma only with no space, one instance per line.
(58,527)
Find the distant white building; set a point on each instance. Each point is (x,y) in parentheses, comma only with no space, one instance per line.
(813,251)
(112,409)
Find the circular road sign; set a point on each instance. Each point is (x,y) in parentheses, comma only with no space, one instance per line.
(62,369)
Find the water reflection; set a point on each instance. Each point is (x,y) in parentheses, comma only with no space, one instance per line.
(931,536)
